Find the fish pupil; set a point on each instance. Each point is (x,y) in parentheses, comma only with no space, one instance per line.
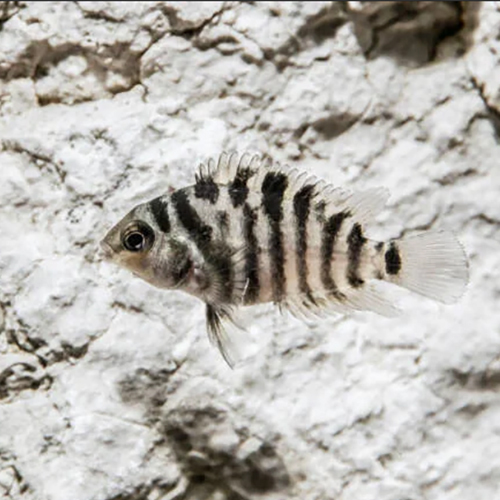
(134,241)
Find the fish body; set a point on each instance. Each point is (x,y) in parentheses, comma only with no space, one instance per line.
(249,231)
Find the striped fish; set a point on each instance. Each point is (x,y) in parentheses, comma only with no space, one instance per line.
(249,231)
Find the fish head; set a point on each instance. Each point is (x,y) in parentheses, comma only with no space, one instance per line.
(130,243)
(165,260)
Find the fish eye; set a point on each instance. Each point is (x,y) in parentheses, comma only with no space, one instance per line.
(134,242)
(138,237)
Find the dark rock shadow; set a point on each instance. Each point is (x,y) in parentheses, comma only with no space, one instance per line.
(249,467)
(411,32)
(334,125)
(215,449)
(325,23)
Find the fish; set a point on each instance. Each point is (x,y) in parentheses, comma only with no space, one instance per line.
(252,231)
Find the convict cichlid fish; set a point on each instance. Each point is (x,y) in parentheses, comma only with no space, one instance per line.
(249,231)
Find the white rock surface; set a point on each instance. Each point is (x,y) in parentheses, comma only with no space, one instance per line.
(109,389)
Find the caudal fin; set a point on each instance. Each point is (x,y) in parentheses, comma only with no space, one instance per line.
(433,264)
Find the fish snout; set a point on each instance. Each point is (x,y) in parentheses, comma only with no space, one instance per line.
(106,250)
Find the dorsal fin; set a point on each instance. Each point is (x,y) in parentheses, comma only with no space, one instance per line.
(362,205)
(225,168)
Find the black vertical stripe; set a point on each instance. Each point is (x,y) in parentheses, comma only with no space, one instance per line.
(331,229)
(302,208)
(189,218)
(219,257)
(238,189)
(223,221)
(206,189)
(355,243)
(273,189)
(251,255)
(159,210)
(392,259)
(217,254)
(179,262)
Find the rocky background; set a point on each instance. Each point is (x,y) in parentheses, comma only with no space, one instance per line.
(109,389)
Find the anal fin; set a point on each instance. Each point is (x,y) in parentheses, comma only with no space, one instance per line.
(370,298)
(366,298)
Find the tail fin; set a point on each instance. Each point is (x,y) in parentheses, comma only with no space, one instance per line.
(433,264)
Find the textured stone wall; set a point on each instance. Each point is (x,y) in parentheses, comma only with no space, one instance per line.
(109,389)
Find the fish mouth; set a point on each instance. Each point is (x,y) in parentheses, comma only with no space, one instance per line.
(106,250)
